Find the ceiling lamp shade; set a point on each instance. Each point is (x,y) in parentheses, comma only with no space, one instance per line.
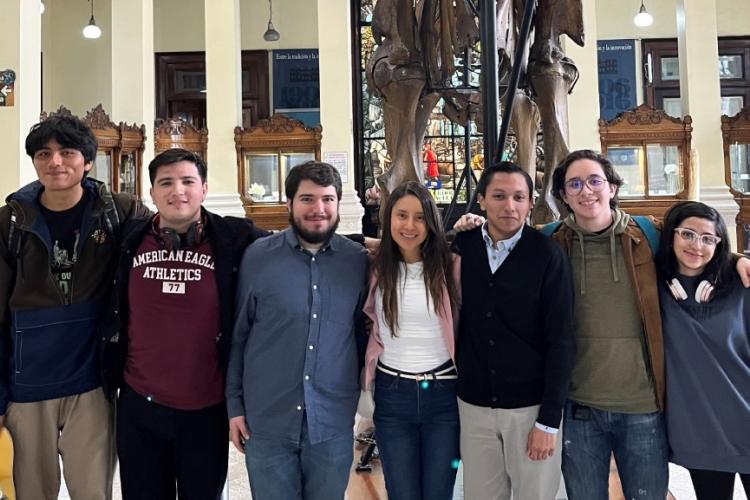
(271,35)
(91,30)
(643,18)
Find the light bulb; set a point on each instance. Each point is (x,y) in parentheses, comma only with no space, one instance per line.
(643,18)
(92,30)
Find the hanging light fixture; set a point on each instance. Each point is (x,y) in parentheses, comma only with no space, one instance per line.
(41,7)
(643,18)
(91,30)
(271,35)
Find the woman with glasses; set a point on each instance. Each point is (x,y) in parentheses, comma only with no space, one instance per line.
(706,320)
(410,354)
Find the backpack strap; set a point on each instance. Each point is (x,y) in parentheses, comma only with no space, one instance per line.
(646,225)
(111,217)
(15,236)
(550,228)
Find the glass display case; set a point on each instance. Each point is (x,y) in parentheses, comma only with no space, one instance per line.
(265,155)
(102,167)
(265,174)
(130,158)
(735,131)
(650,150)
(119,155)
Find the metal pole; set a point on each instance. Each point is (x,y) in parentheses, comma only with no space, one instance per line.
(467,128)
(488,40)
(515,74)
(523,38)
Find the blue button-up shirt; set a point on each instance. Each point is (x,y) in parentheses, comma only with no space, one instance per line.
(294,347)
(496,254)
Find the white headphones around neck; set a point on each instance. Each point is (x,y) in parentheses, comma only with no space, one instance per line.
(703,293)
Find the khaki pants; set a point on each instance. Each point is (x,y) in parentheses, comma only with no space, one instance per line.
(79,428)
(493,450)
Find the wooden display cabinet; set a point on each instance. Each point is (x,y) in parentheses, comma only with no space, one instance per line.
(735,131)
(177,133)
(119,155)
(650,150)
(266,153)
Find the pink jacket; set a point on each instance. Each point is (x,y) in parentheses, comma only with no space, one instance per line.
(448,324)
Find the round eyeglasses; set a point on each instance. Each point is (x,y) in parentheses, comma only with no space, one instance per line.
(575,185)
(707,240)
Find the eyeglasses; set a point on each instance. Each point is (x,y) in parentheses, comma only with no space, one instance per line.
(707,240)
(575,185)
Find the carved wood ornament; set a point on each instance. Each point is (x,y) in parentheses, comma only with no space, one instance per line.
(272,136)
(644,126)
(736,130)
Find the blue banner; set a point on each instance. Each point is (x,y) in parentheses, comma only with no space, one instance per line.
(296,81)
(617,91)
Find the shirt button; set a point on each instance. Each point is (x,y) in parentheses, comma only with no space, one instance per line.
(310,347)
(313,259)
(307,377)
(299,408)
(494,399)
(493,371)
(489,314)
(492,342)
(315,316)
(315,287)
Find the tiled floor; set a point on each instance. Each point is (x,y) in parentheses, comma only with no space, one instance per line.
(370,486)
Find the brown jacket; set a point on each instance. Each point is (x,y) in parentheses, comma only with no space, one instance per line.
(640,263)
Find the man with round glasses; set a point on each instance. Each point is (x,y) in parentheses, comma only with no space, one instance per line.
(616,395)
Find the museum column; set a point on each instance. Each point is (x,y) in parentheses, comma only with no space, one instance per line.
(223,104)
(583,103)
(336,113)
(20,89)
(700,90)
(133,84)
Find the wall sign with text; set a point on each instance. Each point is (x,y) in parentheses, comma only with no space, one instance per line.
(617,88)
(296,84)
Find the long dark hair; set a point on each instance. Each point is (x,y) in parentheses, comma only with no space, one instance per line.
(436,257)
(719,270)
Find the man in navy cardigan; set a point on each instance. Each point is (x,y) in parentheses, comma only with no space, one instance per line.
(515,347)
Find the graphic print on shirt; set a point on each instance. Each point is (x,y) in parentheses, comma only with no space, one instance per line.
(164,266)
(63,259)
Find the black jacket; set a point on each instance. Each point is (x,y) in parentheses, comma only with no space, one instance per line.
(228,237)
(515,347)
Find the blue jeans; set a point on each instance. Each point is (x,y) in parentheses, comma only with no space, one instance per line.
(417,431)
(283,470)
(638,442)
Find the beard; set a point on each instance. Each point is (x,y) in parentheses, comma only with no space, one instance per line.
(313,237)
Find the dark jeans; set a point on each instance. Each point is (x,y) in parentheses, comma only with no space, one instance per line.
(638,442)
(716,485)
(164,451)
(417,431)
(283,470)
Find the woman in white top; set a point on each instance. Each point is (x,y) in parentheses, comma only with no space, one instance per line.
(413,290)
